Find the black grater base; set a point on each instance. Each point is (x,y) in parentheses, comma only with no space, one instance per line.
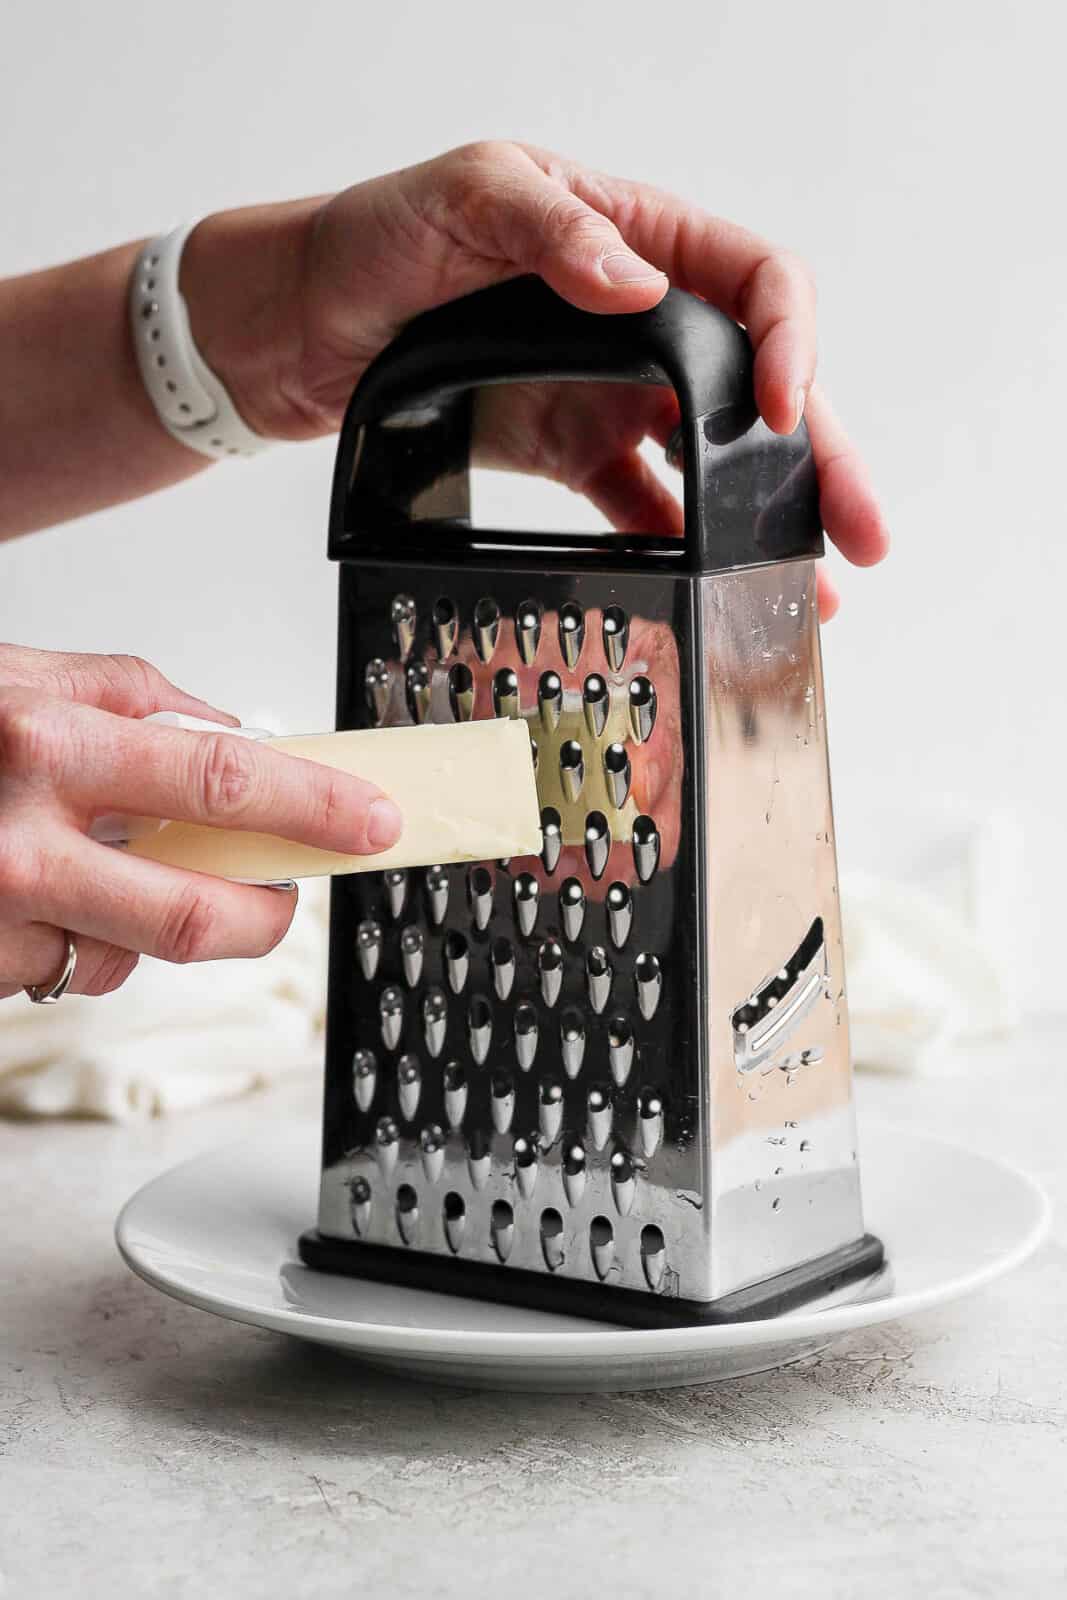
(484,1280)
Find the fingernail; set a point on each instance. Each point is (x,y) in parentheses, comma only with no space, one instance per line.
(286,885)
(625,267)
(384,824)
(800,398)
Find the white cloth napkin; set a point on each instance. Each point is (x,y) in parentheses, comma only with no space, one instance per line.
(925,956)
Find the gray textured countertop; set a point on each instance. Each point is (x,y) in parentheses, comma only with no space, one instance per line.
(149,1449)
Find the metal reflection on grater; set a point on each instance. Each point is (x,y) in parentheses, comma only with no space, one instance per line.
(368,947)
(617,774)
(620,904)
(457,960)
(572,1040)
(528,630)
(408,1086)
(506,692)
(571,769)
(486,627)
(571,908)
(364,1078)
(480,896)
(599,1107)
(434,1020)
(527,892)
(417,691)
(502,1100)
(595,704)
(445,626)
(376,689)
(598,973)
(648,981)
(402,614)
(597,842)
(432,1151)
(550,1110)
(649,1121)
(527,1030)
(412,945)
(550,700)
(551,838)
(642,708)
(386,1145)
(461,692)
(395,883)
(436,881)
(391,1012)
(525,1152)
(360,1200)
(615,631)
(571,632)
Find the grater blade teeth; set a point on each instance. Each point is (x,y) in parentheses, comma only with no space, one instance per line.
(571,769)
(445,627)
(623,1182)
(403,616)
(574,1171)
(502,1228)
(368,947)
(486,627)
(642,708)
(478,1159)
(599,974)
(408,1086)
(597,842)
(528,620)
(412,945)
(386,1145)
(595,704)
(646,846)
(434,1020)
(391,1012)
(480,896)
(364,1078)
(571,908)
(649,1121)
(551,838)
(620,1049)
(615,631)
(572,1040)
(527,894)
(648,980)
(457,960)
(571,632)
(360,1202)
(501,1101)
(407,1213)
(479,1028)
(525,1152)
(550,1111)
(417,690)
(436,894)
(454,1081)
(527,1030)
(376,689)
(396,888)
(550,700)
(432,1151)
(550,968)
(617,774)
(599,1108)
(506,692)
(461,692)
(602,1246)
(653,1255)
(620,903)
(502,960)
(454,1214)
(552,1246)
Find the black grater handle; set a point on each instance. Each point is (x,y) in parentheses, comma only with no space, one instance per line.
(523,331)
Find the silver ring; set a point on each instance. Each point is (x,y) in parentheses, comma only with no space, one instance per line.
(48,997)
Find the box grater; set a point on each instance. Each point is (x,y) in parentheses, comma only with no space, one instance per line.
(613,1080)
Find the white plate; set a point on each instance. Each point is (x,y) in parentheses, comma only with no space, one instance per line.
(220,1233)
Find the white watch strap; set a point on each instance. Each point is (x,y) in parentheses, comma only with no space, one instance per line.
(192,404)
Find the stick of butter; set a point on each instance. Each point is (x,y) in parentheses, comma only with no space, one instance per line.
(466,791)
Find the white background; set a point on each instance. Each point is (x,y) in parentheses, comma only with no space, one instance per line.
(912,152)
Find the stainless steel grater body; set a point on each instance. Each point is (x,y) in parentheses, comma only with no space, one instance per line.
(623,1065)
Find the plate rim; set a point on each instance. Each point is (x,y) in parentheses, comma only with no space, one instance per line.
(505,1345)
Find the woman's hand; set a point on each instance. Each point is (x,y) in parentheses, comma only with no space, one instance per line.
(71,750)
(290,303)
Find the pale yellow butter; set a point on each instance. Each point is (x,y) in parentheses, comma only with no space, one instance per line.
(467,792)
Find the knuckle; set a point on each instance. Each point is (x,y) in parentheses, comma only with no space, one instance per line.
(226,778)
(569,221)
(188,929)
(19,865)
(332,807)
(27,736)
